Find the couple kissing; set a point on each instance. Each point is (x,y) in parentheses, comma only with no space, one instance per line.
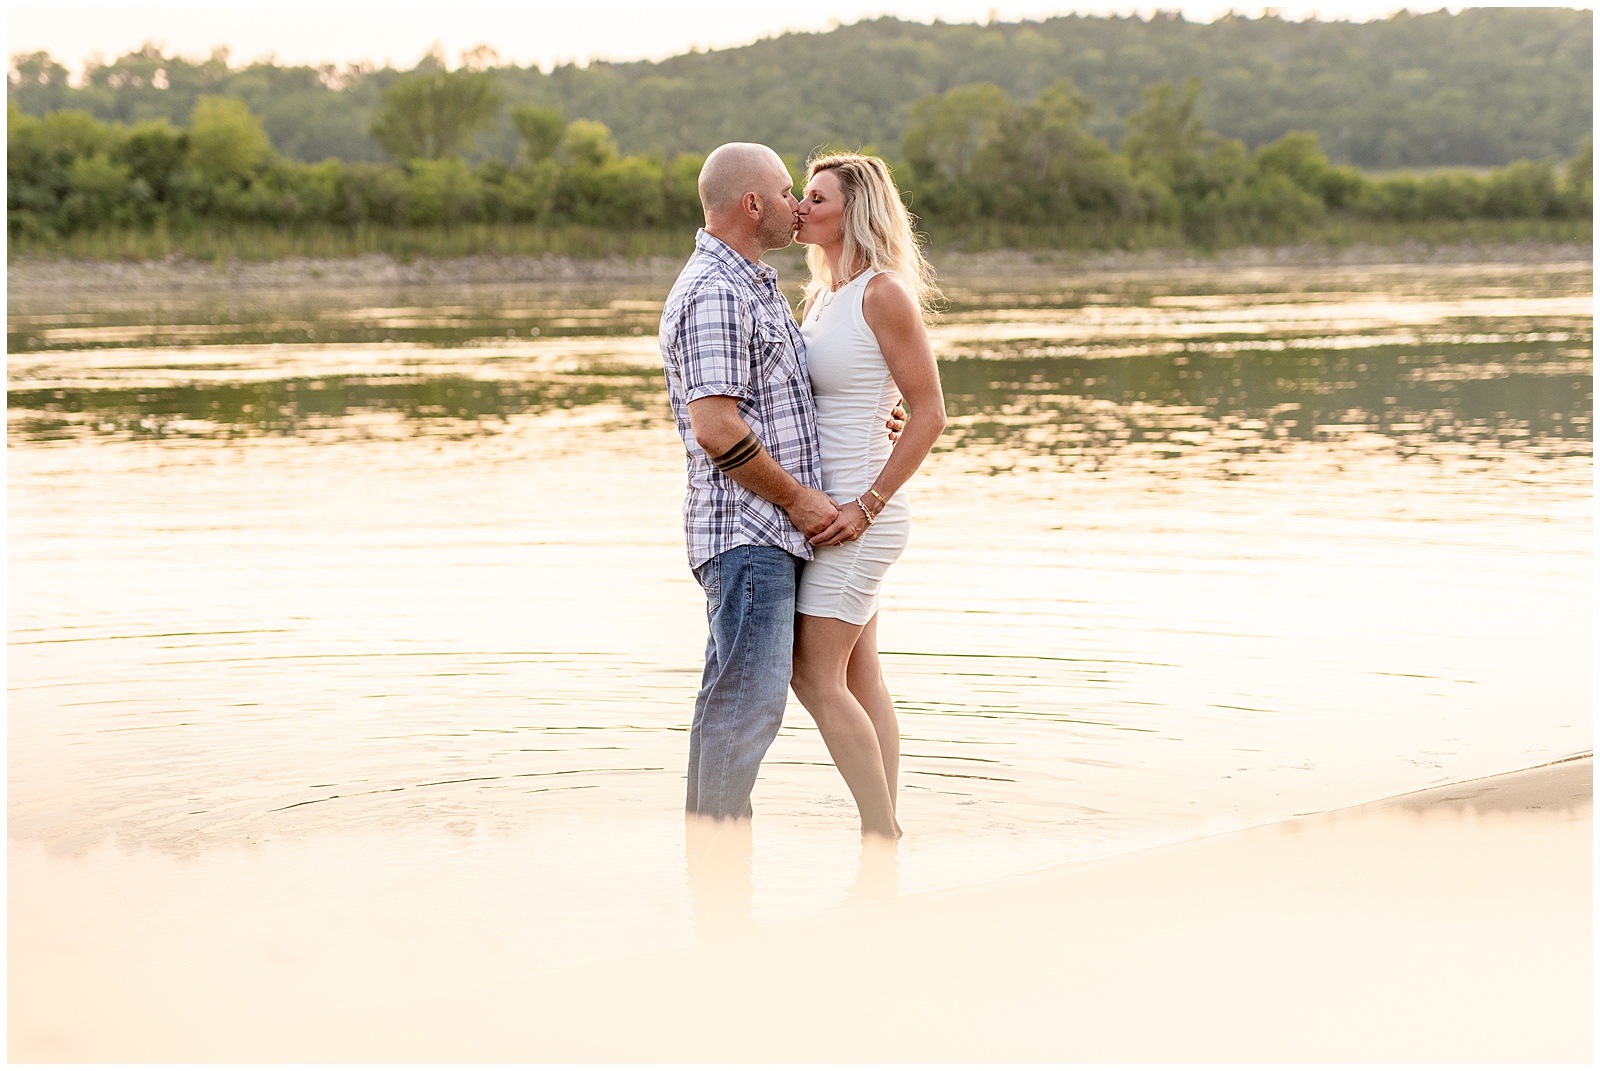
(795,507)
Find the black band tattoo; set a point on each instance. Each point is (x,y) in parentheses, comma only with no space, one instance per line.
(740,453)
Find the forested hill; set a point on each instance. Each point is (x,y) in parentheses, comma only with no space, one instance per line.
(1482,87)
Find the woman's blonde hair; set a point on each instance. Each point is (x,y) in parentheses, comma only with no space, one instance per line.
(877,228)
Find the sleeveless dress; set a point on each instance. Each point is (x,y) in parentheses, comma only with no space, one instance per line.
(854,393)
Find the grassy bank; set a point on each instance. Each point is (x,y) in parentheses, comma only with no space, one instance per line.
(224,242)
(1333,232)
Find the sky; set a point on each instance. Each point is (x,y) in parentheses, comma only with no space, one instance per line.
(536,32)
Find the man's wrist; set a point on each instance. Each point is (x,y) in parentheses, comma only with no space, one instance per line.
(790,494)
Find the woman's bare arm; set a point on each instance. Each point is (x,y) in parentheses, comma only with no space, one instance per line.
(892,313)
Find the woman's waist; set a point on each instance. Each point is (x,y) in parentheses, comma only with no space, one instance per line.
(866,461)
(859,430)
(848,406)
(849,480)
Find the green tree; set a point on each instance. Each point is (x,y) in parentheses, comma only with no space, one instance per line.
(373,193)
(442,191)
(1045,163)
(155,154)
(97,192)
(948,130)
(973,152)
(31,196)
(431,112)
(46,168)
(588,144)
(540,129)
(1165,136)
(1525,190)
(226,142)
(1206,176)
(529,193)
(38,83)
(1481,87)
(1578,188)
(602,188)
(682,188)
(1298,156)
(74,133)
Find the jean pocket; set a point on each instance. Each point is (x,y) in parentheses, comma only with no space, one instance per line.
(709,576)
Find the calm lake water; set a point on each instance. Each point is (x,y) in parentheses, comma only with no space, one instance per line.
(306,575)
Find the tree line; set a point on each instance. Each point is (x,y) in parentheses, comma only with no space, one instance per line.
(970,155)
(1482,87)
(973,153)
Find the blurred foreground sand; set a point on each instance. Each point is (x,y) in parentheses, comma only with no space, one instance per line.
(1453,924)
(1447,925)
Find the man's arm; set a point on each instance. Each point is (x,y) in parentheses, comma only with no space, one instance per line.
(733,448)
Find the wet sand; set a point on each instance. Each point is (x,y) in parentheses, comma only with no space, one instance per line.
(1452,924)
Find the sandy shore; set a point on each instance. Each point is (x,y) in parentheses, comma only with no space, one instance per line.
(30,276)
(1448,925)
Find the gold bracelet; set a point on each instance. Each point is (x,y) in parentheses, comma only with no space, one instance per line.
(882,502)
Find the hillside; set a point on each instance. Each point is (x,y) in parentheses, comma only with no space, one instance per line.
(1479,88)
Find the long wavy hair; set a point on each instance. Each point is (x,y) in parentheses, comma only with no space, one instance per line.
(877,228)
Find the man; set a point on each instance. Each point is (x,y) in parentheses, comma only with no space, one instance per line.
(741,397)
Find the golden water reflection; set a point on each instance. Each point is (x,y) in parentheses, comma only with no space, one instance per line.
(1199,552)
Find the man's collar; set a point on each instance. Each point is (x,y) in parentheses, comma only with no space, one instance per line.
(709,244)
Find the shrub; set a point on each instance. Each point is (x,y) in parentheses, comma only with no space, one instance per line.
(442,191)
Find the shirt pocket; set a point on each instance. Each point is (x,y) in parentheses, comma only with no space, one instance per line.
(776,359)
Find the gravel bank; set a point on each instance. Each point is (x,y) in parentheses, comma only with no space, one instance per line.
(44,275)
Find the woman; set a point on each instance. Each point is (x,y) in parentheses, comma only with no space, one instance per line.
(866,344)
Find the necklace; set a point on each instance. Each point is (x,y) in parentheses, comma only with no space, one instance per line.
(827,295)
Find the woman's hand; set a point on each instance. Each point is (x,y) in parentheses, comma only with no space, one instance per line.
(847,527)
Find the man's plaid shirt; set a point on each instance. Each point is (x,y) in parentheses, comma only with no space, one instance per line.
(726,329)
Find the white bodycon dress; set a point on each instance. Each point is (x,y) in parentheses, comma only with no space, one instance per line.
(854,393)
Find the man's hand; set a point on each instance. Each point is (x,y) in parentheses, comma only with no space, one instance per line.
(851,524)
(897,421)
(719,429)
(811,511)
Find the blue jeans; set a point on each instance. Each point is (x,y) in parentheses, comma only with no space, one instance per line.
(749,659)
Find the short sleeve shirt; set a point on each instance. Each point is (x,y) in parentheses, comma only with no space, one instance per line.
(726,329)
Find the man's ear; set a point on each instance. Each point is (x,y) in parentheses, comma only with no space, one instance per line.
(752,206)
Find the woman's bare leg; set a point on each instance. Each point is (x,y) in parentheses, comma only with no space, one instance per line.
(864,676)
(822,647)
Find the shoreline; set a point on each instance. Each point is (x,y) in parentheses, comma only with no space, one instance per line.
(42,276)
(1448,924)
(1522,789)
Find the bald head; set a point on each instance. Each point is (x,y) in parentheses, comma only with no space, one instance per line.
(748,197)
(735,169)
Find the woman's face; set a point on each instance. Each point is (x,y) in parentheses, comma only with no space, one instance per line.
(821,211)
